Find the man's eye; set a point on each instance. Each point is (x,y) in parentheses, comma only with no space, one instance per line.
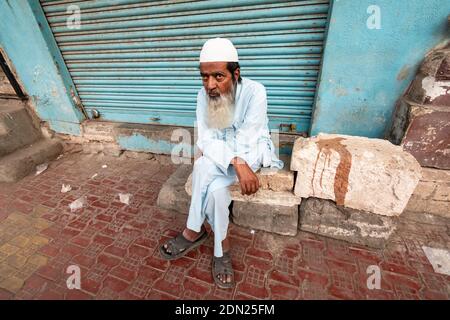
(219,77)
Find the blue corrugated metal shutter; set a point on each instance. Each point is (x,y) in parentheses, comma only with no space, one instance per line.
(137,61)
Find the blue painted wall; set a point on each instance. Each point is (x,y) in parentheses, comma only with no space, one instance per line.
(366,70)
(26,38)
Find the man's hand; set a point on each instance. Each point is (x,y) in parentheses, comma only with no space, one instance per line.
(247,178)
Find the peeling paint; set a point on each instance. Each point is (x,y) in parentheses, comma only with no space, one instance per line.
(433,88)
(373,66)
(32,53)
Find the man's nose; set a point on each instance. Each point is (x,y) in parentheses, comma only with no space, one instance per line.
(211,84)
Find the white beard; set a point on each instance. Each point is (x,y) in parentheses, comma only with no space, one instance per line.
(221,110)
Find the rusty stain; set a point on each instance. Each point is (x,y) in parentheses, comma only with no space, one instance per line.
(326,146)
(403,73)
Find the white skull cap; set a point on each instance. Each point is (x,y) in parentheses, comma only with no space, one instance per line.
(218,50)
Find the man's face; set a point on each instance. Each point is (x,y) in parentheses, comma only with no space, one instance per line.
(216,78)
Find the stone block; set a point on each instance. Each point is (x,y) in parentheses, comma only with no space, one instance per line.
(99,131)
(421,121)
(275,179)
(17,128)
(442,192)
(325,218)
(372,175)
(424,189)
(272,218)
(262,196)
(431,174)
(266,197)
(22,162)
(427,137)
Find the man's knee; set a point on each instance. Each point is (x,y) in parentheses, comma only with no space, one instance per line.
(203,164)
(221,196)
(200,162)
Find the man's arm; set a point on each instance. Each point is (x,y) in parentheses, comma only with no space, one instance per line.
(248,180)
(246,141)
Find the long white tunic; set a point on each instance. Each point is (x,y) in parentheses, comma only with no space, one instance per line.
(248,138)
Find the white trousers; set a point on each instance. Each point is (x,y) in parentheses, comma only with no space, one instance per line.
(211,198)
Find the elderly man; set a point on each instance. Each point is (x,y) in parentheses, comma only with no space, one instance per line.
(234,140)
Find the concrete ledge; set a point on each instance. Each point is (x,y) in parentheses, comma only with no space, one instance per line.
(276,187)
(266,197)
(24,161)
(17,128)
(272,218)
(150,138)
(154,138)
(326,218)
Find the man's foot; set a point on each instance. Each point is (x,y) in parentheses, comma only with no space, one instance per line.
(182,244)
(222,271)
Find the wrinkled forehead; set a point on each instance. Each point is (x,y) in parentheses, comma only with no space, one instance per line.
(213,67)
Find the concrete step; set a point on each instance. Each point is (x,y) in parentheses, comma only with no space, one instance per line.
(22,162)
(279,181)
(268,210)
(17,128)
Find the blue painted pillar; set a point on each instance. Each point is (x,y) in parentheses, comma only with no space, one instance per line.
(372,52)
(27,40)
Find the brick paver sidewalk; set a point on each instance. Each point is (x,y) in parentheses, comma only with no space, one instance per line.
(116,246)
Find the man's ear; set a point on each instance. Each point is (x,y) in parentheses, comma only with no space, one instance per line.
(237,73)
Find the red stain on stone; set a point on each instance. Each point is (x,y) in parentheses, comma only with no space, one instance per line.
(326,146)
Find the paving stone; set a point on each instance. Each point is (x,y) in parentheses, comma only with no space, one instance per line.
(41,224)
(37,261)
(12,284)
(6,271)
(267,265)
(8,249)
(39,240)
(20,241)
(16,261)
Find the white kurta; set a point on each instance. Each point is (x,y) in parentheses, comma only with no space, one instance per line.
(248,138)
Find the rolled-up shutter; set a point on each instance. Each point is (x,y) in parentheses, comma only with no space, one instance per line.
(137,61)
